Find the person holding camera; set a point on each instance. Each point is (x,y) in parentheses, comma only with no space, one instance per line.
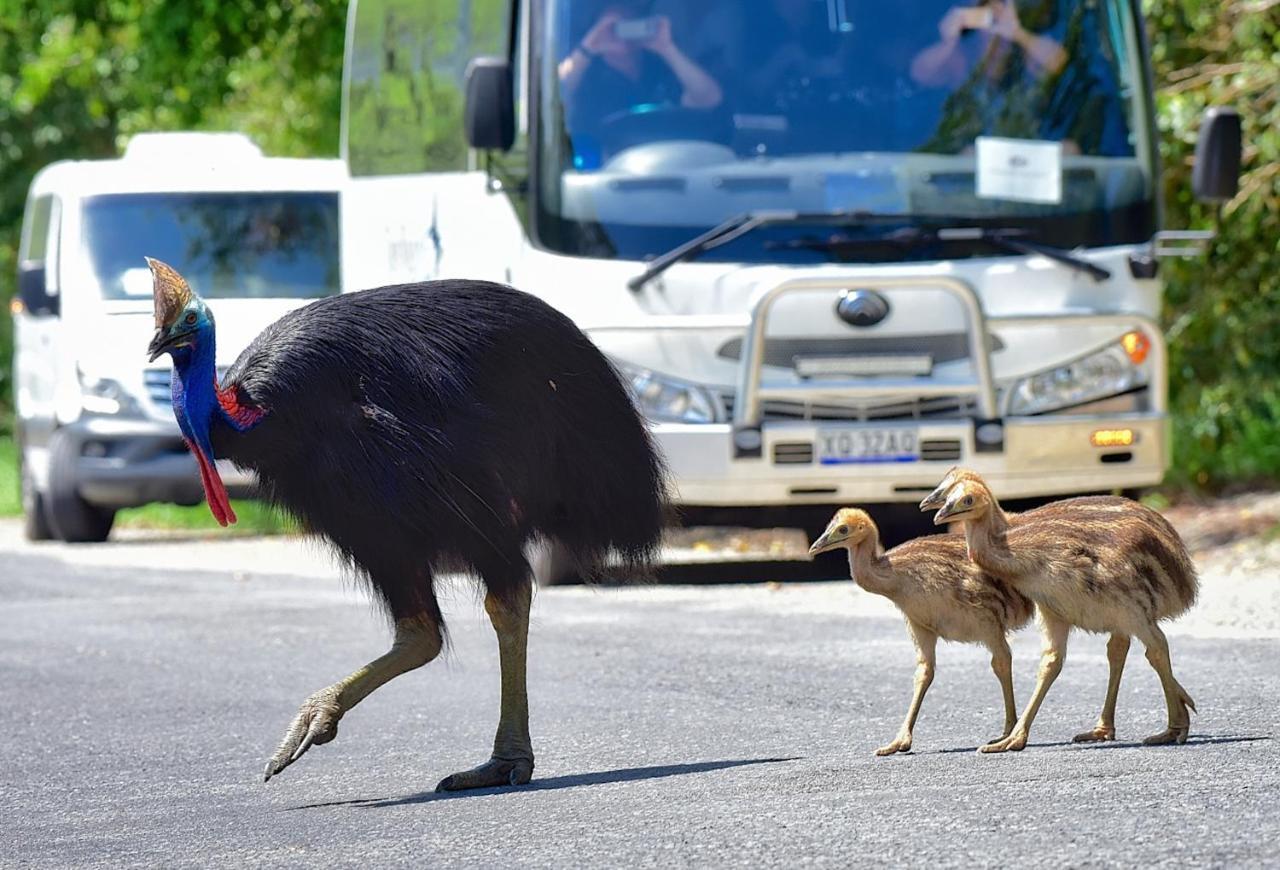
(624,62)
(950,62)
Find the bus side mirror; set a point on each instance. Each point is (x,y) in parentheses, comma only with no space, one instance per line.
(490,119)
(1216,174)
(33,290)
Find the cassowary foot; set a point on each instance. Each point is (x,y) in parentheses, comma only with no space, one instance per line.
(1097,734)
(316,723)
(494,772)
(1015,742)
(902,744)
(1172,734)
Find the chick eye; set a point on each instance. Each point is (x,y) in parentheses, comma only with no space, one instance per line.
(190,318)
(968,500)
(843,530)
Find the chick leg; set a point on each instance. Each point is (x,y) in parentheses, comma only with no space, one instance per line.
(926,643)
(512,760)
(1117,652)
(1002,665)
(1176,697)
(417,641)
(1055,630)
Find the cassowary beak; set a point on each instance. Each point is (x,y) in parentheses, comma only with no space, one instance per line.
(163,342)
(159,343)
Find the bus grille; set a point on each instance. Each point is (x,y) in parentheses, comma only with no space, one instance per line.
(909,409)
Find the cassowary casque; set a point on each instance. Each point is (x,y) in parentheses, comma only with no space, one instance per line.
(423,428)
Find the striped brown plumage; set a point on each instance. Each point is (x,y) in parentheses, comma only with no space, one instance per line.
(1099,563)
(941,594)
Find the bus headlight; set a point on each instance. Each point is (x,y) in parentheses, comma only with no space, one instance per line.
(1107,372)
(667,399)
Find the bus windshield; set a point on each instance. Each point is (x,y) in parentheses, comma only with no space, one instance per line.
(269,245)
(658,119)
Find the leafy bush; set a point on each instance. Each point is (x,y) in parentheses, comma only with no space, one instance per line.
(1223,311)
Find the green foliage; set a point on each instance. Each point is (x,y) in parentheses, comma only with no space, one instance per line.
(78,77)
(406,98)
(1223,311)
(10,499)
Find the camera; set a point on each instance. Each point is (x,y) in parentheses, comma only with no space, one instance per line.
(635,29)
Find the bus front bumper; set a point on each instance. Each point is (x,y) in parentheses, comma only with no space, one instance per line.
(1039,457)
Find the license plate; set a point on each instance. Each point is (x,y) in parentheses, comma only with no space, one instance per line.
(865,445)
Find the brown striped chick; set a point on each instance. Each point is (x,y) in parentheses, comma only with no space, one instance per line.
(942,595)
(1099,563)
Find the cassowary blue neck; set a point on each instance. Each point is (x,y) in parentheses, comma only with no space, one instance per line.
(195,389)
(196,405)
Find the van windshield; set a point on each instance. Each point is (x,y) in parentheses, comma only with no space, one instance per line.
(271,245)
(658,119)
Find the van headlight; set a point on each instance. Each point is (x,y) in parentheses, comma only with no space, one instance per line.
(1107,372)
(105,397)
(667,399)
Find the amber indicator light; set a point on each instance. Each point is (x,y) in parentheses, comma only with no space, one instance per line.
(1113,438)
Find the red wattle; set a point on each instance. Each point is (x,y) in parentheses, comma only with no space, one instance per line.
(243,415)
(215,493)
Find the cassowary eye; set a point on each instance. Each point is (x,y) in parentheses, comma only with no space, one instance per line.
(843,530)
(968,500)
(191,318)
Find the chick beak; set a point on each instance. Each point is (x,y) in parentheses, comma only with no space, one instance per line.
(945,514)
(823,544)
(934,500)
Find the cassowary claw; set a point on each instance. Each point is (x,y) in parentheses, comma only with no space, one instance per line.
(315,724)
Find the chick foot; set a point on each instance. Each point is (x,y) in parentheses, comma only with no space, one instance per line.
(1172,734)
(1015,742)
(494,772)
(315,724)
(1098,734)
(902,744)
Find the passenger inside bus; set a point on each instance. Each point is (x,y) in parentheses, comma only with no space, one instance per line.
(625,60)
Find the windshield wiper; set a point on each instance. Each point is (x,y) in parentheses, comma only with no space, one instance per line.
(739,225)
(1009,238)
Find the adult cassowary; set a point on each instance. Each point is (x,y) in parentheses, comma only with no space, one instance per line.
(423,428)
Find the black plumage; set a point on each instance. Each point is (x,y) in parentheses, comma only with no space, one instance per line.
(443,425)
(424,428)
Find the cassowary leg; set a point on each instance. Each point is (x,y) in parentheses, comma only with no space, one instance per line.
(1002,666)
(1117,652)
(926,644)
(417,641)
(512,761)
(1056,629)
(1176,698)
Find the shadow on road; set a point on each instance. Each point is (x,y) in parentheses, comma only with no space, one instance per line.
(1193,740)
(628,774)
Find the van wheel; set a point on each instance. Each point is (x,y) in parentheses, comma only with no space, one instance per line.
(72,518)
(35,520)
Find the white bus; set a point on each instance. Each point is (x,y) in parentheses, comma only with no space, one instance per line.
(836,249)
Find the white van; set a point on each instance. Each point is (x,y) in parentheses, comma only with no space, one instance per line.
(258,236)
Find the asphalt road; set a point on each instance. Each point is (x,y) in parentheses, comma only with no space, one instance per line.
(707,726)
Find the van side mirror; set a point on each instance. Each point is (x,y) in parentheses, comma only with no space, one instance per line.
(33,290)
(490,118)
(1216,174)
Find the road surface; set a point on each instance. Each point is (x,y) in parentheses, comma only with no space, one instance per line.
(145,684)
